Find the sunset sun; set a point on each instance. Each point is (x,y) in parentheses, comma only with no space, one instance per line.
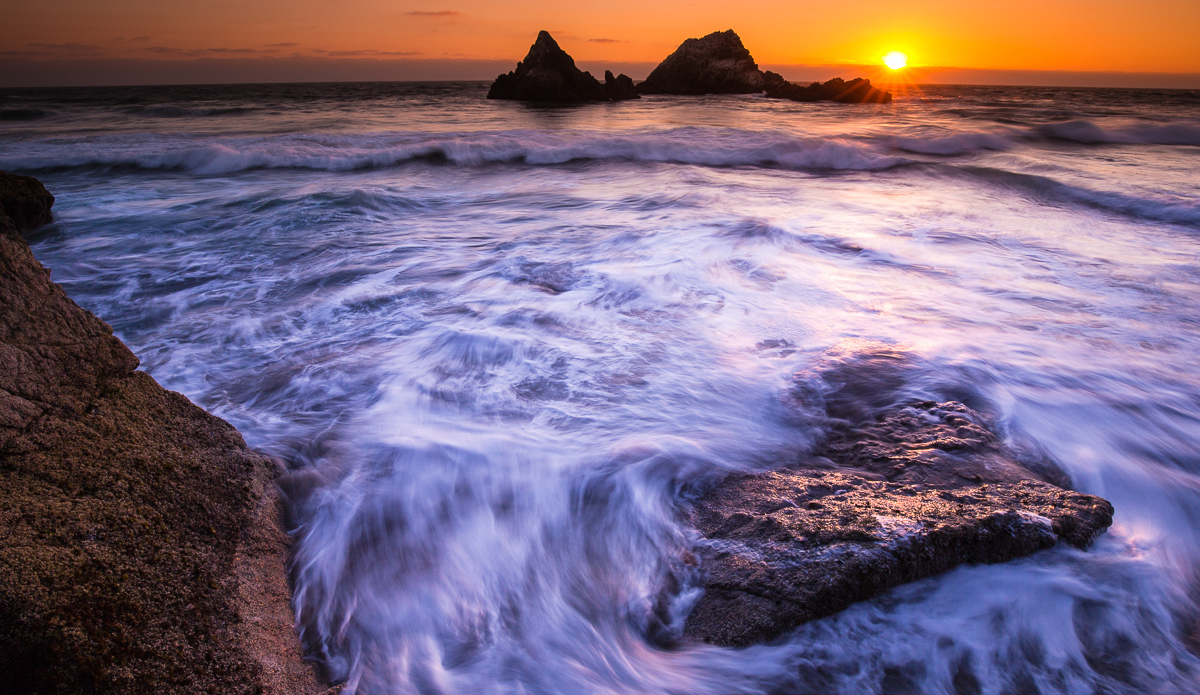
(895,60)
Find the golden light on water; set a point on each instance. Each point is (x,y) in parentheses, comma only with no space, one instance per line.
(895,60)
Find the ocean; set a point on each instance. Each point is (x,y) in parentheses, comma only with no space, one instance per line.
(499,344)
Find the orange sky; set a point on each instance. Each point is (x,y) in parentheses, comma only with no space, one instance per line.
(1091,35)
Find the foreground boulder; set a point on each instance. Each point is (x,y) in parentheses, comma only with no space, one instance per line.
(715,64)
(914,491)
(140,545)
(548,74)
(856,91)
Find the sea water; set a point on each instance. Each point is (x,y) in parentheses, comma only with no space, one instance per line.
(500,345)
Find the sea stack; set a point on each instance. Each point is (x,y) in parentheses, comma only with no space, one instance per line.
(548,74)
(140,544)
(715,64)
(892,496)
(856,91)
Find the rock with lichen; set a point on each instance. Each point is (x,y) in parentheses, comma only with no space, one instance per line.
(894,493)
(140,549)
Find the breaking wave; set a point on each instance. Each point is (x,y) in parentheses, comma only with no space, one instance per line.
(1047,189)
(1089,133)
(698,146)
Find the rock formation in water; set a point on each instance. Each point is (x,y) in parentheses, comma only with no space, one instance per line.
(856,91)
(140,544)
(898,495)
(619,88)
(548,74)
(715,64)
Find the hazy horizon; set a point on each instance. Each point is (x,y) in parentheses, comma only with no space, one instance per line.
(25,73)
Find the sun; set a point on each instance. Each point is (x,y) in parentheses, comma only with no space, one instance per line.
(895,60)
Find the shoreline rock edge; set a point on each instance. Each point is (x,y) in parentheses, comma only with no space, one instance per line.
(140,542)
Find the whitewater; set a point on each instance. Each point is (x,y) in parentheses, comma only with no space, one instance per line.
(499,346)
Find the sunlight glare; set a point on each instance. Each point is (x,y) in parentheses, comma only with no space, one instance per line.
(895,60)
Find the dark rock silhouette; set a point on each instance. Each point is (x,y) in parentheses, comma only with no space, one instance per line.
(140,543)
(619,88)
(715,64)
(25,201)
(895,494)
(856,91)
(548,74)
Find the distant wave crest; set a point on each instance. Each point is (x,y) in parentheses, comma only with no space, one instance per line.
(1089,133)
(698,146)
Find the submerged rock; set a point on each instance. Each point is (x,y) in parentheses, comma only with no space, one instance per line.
(856,91)
(548,74)
(715,64)
(911,492)
(140,545)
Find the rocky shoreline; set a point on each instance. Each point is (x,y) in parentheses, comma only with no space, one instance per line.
(140,543)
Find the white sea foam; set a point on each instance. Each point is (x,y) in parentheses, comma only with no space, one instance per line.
(500,377)
(209,156)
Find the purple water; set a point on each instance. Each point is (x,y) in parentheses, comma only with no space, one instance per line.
(498,343)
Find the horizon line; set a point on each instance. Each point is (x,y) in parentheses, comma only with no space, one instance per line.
(140,72)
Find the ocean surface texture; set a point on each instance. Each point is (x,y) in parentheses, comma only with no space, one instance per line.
(501,345)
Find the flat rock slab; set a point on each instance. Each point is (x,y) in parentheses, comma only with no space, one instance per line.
(912,493)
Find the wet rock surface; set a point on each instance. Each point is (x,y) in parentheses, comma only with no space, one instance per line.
(912,491)
(715,64)
(140,549)
(548,74)
(856,91)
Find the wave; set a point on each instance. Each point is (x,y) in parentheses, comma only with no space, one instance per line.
(169,111)
(24,114)
(1079,131)
(950,145)
(1045,188)
(698,146)
(1089,133)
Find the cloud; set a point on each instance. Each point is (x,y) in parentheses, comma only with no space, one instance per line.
(438,13)
(285,44)
(604,40)
(171,50)
(367,53)
(71,47)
